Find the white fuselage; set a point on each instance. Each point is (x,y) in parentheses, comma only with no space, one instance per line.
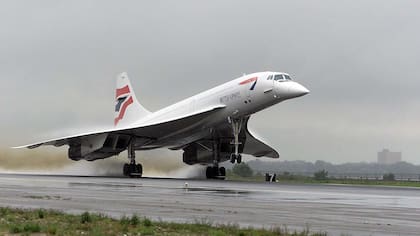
(241,97)
(204,126)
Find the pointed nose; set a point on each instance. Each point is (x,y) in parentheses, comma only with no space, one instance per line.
(297,90)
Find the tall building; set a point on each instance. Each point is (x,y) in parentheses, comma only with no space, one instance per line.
(388,157)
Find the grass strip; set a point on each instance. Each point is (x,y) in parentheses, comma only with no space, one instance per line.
(49,222)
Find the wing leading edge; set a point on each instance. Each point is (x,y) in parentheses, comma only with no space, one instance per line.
(148,129)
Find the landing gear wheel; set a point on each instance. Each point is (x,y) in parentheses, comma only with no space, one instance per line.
(140,169)
(136,171)
(235,158)
(214,172)
(126,169)
(222,172)
(232,158)
(239,159)
(132,170)
(209,172)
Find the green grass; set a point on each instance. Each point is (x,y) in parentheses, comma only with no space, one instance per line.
(27,222)
(298,179)
(255,178)
(367,182)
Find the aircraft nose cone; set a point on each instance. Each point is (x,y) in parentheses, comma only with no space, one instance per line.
(297,90)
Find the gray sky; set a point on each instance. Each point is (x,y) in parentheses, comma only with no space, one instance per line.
(360,59)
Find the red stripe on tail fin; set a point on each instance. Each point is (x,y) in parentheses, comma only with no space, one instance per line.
(121,91)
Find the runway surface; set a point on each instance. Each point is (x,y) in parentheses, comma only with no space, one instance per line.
(336,209)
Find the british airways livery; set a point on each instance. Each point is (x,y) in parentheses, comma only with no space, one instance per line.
(210,127)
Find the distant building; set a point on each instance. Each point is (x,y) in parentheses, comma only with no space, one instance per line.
(388,157)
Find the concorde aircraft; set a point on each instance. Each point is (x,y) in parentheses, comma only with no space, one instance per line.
(210,127)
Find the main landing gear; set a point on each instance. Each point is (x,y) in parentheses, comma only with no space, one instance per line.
(216,172)
(236,128)
(132,170)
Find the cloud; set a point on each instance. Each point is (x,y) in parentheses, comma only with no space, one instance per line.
(58,61)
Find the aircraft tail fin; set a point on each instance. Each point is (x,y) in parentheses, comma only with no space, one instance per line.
(127,108)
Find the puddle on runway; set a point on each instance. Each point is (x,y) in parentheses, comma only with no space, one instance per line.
(106,185)
(224,192)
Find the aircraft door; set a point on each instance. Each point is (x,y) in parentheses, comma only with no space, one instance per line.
(273,88)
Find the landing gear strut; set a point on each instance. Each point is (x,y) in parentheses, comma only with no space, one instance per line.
(132,170)
(216,172)
(236,128)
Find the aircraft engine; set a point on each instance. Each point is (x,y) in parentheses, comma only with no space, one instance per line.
(203,154)
(97,147)
(195,154)
(75,152)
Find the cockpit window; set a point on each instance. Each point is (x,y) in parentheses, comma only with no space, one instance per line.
(287,77)
(281,77)
(278,77)
(270,77)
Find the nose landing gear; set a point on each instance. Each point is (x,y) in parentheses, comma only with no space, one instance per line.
(235,158)
(236,128)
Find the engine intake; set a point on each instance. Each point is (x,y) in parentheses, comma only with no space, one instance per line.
(75,152)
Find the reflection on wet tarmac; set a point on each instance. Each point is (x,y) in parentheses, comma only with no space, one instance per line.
(105,185)
(217,191)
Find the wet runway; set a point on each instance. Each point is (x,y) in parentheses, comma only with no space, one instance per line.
(336,209)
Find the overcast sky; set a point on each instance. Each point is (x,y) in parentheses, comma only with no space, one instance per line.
(360,59)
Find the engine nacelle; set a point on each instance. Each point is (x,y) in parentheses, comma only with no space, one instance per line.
(202,154)
(75,152)
(194,154)
(95,147)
